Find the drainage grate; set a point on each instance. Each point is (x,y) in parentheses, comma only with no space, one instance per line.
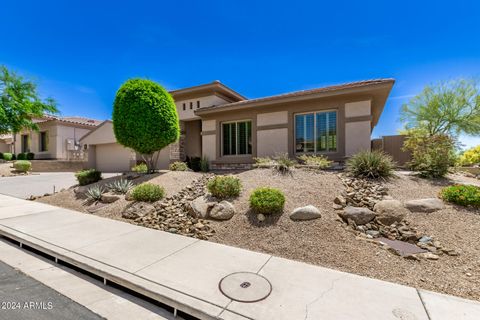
(245,287)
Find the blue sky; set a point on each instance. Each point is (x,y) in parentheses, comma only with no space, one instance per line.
(80,52)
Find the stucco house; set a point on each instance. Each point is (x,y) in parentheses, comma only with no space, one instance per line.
(230,130)
(57,137)
(6,143)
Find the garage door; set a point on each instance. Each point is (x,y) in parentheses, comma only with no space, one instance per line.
(112,157)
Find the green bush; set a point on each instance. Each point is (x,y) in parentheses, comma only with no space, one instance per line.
(22,165)
(30,156)
(14,157)
(224,187)
(22,156)
(462,195)
(8,156)
(318,161)
(432,156)
(140,168)
(148,192)
(470,157)
(88,176)
(283,164)
(145,118)
(204,166)
(267,200)
(371,164)
(178,166)
(194,163)
(264,162)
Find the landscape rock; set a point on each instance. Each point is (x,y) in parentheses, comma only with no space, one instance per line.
(424,205)
(428,256)
(128,195)
(389,211)
(359,215)
(305,213)
(340,200)
(260,217)
(109,198)
(222,211)
(201,206)
(138,209)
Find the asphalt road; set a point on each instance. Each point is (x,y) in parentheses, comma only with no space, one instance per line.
(24,298)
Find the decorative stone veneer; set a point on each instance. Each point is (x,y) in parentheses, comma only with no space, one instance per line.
(177,149)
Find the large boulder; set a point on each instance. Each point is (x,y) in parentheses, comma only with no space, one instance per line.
(200,207)
(359,215)
(389,211)
(305,213)
(222,211)
(138,209)
(109,198)
(425,205)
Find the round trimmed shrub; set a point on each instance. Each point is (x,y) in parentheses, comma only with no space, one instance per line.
(178,166)
(22,156)
(224,187)
(462,195)
(7,156)
(140,168)
(30,155)
(267,200)
(22,165)
(148,192)
(88,176)
(371,164)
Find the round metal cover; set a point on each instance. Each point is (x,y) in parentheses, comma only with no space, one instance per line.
(245,287)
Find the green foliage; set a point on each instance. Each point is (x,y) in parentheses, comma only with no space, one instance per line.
(7,156)
(30,155)
(447,108)
(148,192)
(462,195)
(94,193)
(267,200)
(224,187)
(204,166)
(283,163)
(145,118)
(194,163)
(1,155)
(140,168)
(178,166)
(120,186)
(264,162)
(318,161)
(88,176)
(20,103)
(371,164)
(432,156)
(22,156)
(22,165)
(470,157)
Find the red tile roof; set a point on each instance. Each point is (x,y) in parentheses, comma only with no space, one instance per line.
(75,120)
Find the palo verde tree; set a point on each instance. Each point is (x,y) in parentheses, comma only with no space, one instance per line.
(20,103)
(448,108)
(145,119)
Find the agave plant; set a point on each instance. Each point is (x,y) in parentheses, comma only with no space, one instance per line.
(94,193)
(120,186)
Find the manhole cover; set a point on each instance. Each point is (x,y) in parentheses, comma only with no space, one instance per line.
(245,287)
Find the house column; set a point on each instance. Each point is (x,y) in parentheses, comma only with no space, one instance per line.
(358,127)
(177,149)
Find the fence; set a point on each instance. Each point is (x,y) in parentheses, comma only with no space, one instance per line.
(393,145)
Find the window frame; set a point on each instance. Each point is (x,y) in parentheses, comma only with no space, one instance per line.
(222,151)
(184,106)
(315,152)
(40,144)
(25,143)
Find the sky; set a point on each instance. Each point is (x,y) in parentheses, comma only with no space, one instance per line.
(80,52)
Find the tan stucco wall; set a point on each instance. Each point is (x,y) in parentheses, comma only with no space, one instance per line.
(208,125)
(358,109)
(112,157)
(209,149)
(207,101)
(193,138)
(357,137)
(271,118)
(4,147)
(102,134)
(271,142)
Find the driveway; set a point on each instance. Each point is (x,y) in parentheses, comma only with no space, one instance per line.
(37,184)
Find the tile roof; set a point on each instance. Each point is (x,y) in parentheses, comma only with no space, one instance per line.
(75,120)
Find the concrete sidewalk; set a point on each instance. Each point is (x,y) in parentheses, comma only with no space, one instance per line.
(185,273)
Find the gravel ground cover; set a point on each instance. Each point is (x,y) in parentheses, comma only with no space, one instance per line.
(6,169)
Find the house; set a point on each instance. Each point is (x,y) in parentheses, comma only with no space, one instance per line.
(6,143)
(230,130)
(57,137)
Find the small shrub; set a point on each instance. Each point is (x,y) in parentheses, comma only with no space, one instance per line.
(88,176)
(140,168)
(267,200)
(120,186)
(22,156)
(462,195)
(204,166)
(224,187)
(470,157)
(283,163)
(264,162)
(178,166)
(194,163)
(14,157)
(8,156)
(371,164)
(22,165)
(94,193)
(1,155)
(148,192)
(318,161)
(30,156)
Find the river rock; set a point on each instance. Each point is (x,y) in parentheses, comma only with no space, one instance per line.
(222,211)
(424,205)
(305,213)
(359,215)
(201,206)
(389,211)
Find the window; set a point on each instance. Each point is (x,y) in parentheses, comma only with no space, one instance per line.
(198,104)
(191,105)
(24,141)
(184,107)
(43,142)
(316,132)
(237,138)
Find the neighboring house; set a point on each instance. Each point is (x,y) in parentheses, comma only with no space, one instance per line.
(230,130)
(57,137)
(6,143)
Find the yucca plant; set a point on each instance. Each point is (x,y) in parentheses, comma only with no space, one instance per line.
(120,186)
(94,194)
(371,164)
